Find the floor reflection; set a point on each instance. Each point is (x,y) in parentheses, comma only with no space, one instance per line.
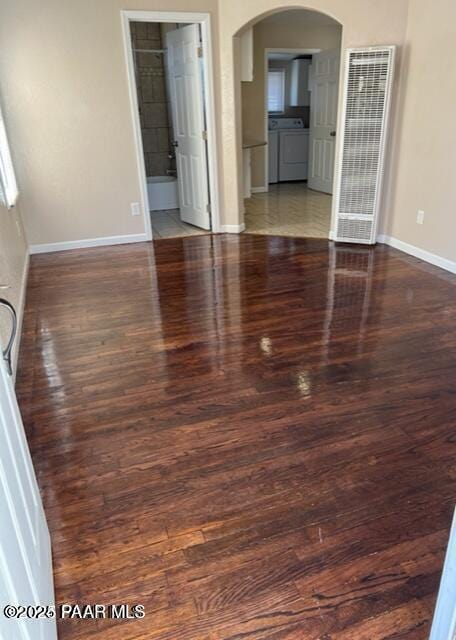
(219,293)
(209,415)
(349,284)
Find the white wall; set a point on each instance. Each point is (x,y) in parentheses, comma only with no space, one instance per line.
(64,81)
(425,134)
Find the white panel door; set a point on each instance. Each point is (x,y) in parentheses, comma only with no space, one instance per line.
(187,106)
(25,551)
(323,118)
(444,622)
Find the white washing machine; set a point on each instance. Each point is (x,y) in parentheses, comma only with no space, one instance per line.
(292,149)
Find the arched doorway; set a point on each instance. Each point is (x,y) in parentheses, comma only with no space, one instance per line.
(287,75)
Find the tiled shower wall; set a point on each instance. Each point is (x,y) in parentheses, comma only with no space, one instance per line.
(156,126)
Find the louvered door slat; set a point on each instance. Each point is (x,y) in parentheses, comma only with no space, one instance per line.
(367,89)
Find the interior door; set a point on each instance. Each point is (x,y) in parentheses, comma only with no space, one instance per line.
(324,83)
(187,107)
(25,551)
(444,622)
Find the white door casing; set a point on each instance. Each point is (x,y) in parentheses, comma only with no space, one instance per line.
(324,83)
(25,550)
(187,106)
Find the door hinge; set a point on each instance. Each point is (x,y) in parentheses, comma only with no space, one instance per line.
(200,52)
(204,135)
(208,207)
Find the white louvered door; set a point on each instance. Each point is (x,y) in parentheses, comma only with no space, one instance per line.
(367,95)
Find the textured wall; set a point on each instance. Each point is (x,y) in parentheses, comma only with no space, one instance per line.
(64,81)
(70,117)
(425,135)
(64,87)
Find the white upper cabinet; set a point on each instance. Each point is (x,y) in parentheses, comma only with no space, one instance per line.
(247,56)
(299,83)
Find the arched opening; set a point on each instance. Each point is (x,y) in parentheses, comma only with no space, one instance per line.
(287,75)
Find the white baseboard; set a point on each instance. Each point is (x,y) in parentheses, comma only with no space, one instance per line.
(84,244)
(432,258)
(258,189)
(20,314)
(232,228)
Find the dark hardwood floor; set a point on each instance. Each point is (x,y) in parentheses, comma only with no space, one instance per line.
(252,436)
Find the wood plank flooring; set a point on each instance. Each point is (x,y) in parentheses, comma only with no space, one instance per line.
(252,436)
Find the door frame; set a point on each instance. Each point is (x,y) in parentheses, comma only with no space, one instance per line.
(267,51)
(203,19)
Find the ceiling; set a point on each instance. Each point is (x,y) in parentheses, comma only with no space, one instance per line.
(301,17)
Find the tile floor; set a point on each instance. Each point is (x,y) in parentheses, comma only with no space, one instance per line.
(289,209)
(167,224)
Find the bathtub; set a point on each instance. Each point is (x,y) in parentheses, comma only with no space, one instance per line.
(162,193)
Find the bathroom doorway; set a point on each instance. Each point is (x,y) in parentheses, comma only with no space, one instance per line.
(172,100)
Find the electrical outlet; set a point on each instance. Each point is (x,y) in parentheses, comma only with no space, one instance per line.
(420,216)
(135,209)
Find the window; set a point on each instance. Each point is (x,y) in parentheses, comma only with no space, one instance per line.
(276,91)
(8,185)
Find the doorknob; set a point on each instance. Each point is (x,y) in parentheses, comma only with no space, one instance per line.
(333,134)
(9,347)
